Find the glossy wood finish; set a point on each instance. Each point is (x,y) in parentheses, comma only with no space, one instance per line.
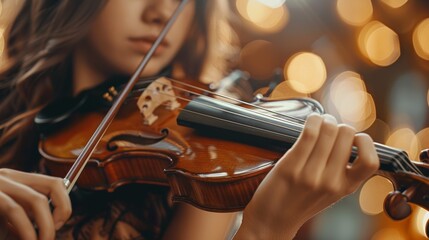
(209,170)
(213,170)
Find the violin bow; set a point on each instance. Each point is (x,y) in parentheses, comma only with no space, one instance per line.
(83,158)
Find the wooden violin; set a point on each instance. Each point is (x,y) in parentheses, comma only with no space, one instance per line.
(218,163)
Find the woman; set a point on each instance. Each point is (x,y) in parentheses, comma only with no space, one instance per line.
(61,48)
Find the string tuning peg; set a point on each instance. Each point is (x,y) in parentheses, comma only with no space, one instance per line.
(424,156)
(396,205)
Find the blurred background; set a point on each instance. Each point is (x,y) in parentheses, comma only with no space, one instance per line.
(367,63)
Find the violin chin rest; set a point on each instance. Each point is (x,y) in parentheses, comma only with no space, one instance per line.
(54,114)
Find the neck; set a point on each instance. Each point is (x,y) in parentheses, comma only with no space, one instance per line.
(85,72)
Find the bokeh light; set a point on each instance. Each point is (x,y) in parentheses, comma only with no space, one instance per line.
(355,12)
(259,58)
(264,17)
(404,139)
(379,44)
(1,42)
(306,72)
(388,234)
(354,105)
(373,193)
(284,90)
(423,138)
(421,216)
(421,39)
(272,3)
(394,3)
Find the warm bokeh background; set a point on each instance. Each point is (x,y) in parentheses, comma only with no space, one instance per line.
(367,62)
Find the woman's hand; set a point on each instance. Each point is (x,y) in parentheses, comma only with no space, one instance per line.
(24,198)
(311,176)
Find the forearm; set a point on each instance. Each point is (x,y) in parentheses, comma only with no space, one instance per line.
(191,223)
(249,231)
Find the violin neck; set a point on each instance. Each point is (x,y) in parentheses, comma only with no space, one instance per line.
(281,128)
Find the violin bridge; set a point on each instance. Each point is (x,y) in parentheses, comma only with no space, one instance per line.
(159,92)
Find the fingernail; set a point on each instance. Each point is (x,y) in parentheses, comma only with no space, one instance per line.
(58,225)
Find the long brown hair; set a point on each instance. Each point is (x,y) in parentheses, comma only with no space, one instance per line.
(39,42)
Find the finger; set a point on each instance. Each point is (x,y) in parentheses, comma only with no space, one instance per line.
(340,155)
(17,217)
(333,180)
(367,161)
(302,148)
(323,147)
(52,187)
(34,202)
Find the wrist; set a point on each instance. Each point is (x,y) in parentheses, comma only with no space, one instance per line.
(249,231)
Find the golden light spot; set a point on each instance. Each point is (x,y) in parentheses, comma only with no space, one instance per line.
(344,83)
(355,12)
(1,42)
(406,140)
(354,105)
(264,17)
(241,6)
(259,58)
(379,43)
(306,72)
(420,220)
(284,91)
(423,140)
(272,3)
(421,39)
(373,193)
(394,3)
(388,233)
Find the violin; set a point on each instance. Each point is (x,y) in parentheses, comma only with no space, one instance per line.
(211,153)
(212,168)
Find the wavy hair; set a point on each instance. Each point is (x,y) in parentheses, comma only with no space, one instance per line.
(37,65)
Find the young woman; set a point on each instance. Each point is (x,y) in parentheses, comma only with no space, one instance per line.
(61,48)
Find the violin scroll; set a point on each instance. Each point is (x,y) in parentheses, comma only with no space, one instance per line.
(396,205)
(410,188)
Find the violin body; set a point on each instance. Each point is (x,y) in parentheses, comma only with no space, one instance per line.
(211,153)
(209,168)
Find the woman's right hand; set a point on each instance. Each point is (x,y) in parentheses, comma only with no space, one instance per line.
(24,200)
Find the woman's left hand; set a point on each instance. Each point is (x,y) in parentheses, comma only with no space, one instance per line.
(311,176)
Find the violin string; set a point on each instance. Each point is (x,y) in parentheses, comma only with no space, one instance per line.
(298,124)
(298,120)
(389,153)
(401,158)
(233,99)
(397,161)
(383,152)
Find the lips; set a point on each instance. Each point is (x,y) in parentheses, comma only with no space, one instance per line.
(143,44)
